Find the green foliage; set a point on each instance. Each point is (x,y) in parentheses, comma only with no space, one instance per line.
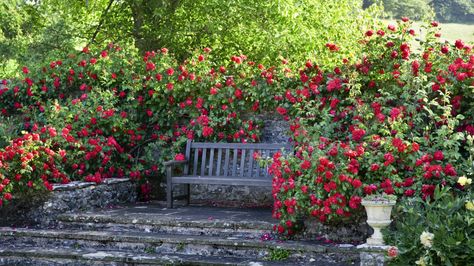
(414,9)
(36,32)
(278,254)
(444,10)
(8,130)
(262,30)
(447,217)
(454,10)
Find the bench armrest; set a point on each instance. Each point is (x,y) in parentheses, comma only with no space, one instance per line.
(175,162)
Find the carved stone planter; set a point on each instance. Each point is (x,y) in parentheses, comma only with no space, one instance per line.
(378,217)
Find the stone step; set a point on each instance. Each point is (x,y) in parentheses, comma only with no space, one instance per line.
(186,220)
(178,244)
(27,255)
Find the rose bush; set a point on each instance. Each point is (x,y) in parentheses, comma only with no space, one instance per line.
(120,115)
(31,162)
(394,122)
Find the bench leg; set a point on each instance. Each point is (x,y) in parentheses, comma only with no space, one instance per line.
(169,189)
(188,193)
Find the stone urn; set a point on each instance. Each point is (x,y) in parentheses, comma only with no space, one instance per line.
(378,211)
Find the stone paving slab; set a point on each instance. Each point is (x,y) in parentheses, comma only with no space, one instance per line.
(157,214)
(136,237)
(25,255)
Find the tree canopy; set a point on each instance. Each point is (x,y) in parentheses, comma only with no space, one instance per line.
(265,31)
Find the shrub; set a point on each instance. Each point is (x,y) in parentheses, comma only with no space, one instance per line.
(437,232)
(395,122)
(31,163)
(113,111)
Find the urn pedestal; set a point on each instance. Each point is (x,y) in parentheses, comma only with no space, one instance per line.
(378,217)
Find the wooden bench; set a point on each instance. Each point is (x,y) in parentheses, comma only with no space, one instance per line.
(221,164)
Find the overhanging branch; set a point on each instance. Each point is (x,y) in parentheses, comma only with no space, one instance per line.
(102,19)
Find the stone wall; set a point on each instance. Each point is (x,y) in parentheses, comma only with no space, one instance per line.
(355,231)
(75,196)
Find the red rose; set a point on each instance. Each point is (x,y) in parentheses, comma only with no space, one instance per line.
(358,134)
(395,113)
(459,44)
(444,49)
(281,110)
(207,131)
(438,156)
(356,183)
(409,192)
(179,157)
(7,196)
(354,202)
(305,164)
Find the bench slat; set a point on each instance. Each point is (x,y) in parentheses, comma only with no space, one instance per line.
(219,159)
(203,162)
(259,169)
(188,156)
(234,163)
(211,162)
(251,162)
(226,164)
(235,181)
(242,163)
(246,146)
(195,165)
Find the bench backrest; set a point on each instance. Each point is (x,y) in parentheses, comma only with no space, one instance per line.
(229,159)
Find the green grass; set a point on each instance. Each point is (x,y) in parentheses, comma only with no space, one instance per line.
(449,31)
(454,31)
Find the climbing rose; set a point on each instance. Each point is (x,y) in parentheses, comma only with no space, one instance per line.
(305,164)
(7,196)
(179,157)
(207,131)
(356,183)
(438,155)
(358,134)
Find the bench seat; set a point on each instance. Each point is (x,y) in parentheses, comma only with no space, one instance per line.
(216,180)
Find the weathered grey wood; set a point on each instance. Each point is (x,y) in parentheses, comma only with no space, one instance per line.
(203,162)
(211,162)
(219,159)
(169,187)
(258,165)
(242,163)
(259,177)
(226,164)
(234,162)
(188,156)
(196,158)
(248,146)
(221,180)
(251,162)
